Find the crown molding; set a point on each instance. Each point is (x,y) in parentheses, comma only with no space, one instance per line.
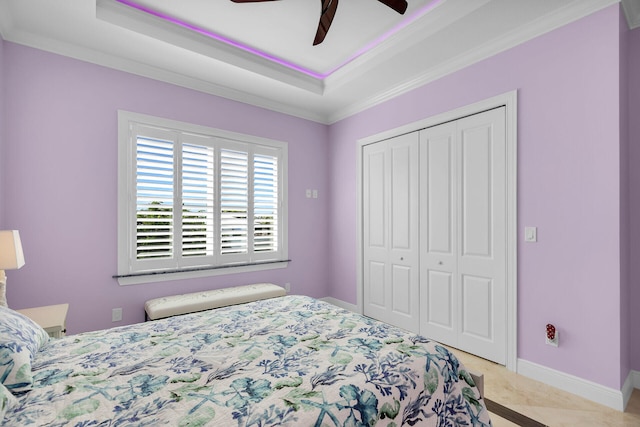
(197,40)
(632,12)
(5,20)
(329,114)
(419,30)
(570,13)
(156,73)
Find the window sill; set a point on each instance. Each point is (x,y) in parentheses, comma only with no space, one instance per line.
(182,275)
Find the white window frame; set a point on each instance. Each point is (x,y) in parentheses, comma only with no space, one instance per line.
(130,270)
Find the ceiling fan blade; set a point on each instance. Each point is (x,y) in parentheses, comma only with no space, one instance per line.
(329,8)
(399,6)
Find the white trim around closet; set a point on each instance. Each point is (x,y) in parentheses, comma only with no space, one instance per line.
(510,101)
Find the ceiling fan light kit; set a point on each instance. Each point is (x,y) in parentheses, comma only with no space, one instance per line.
(328,11)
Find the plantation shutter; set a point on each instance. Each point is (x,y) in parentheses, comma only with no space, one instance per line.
(192,200)
(234,202)
(265,208)
(198,198)
(155,166)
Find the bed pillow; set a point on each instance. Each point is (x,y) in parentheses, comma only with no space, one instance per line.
(20,339)
(7,400)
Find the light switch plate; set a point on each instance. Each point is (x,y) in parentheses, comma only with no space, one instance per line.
(531,234)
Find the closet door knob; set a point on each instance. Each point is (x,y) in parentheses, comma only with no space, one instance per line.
(439,262)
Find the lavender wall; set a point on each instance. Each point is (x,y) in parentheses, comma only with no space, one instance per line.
(61,160)
(625,225)
(2,125)
(568,186)
(633,55)
(58,154)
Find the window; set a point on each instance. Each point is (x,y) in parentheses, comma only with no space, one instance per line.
(196,201)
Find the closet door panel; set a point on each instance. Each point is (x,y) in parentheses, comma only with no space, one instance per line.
(404,302)
(374,225)
(439,194)
(402,219)
(477,292)
(439,293)
(375,200)
(477,193)
(390,231)
(482,235)
(401,290)
(438,290)
(375,291)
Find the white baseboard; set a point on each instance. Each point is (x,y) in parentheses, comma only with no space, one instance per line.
(607,396)
(627,389)
(340,303)
(635,379)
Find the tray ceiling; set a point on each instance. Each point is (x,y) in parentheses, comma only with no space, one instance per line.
(262,53)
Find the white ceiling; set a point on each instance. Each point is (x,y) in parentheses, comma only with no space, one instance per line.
(370,54)
(285,29)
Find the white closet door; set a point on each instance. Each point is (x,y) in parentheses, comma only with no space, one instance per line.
(438,240)
(463,234)
(390,231)
(482,235)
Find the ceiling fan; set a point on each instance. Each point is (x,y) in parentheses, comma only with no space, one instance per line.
(329,8)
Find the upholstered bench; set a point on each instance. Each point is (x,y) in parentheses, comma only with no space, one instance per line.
(174,305)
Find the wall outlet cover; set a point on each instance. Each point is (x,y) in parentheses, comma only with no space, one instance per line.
(553,342)
(531,234)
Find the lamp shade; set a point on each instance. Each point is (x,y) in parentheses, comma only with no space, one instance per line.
(11,256)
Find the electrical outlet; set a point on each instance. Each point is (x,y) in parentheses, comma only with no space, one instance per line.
(116,315)
(551,335)
(287,287)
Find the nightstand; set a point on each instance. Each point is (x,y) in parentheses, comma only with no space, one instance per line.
(52,318)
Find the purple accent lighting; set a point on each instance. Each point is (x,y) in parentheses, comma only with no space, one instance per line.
(275,59)
(419,13)
(220,38)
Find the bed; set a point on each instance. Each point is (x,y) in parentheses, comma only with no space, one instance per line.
(291,360)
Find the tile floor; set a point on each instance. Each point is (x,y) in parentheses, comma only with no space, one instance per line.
(546,404)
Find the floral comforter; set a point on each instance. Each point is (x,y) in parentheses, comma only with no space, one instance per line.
(285,361)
